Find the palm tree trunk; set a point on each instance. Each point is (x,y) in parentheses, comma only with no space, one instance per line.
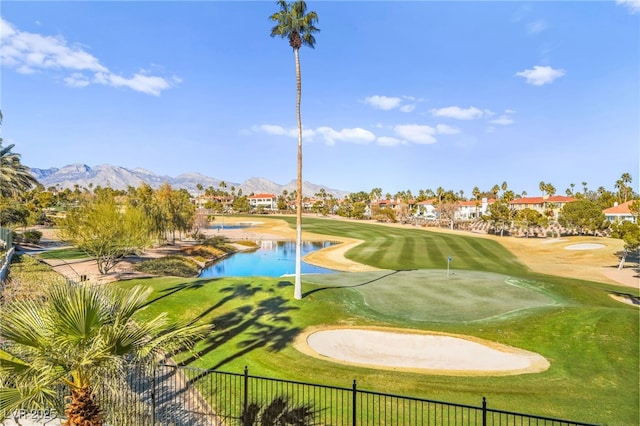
(82,409)
(298,279)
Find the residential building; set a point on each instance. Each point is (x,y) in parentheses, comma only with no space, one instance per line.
(473,209)
(426,209)
(620,212)
(546,204)
(263,201)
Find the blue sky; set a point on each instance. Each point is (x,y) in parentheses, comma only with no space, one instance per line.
(396,95)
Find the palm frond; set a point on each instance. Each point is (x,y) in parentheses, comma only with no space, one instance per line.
(295,24)
(24,324)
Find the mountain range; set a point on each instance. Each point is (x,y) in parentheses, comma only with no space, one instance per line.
(116,177)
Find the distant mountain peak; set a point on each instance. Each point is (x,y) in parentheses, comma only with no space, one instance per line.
(117,177)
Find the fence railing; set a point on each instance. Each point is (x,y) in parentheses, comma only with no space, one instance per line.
(189,396)
(183,396)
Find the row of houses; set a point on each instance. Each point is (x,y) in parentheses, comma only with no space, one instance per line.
(550,205)
(475,209)
(465,210)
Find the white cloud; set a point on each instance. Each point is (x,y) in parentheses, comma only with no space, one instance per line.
(443,129)
(150,85)
(416,133)
(76,80)
(29,53)
(388,103)
(536,27)
(274,129)
(405,133)
(355,135)
(408,107)
(388,141)
(503,120)
(458,113)
(539,76)
(383,102)
(632,5)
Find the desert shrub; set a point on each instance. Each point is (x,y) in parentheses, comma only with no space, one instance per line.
(204,253)
(31,237)
(219,242)
(175,266)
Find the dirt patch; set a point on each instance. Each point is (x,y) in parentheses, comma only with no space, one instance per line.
(87,269)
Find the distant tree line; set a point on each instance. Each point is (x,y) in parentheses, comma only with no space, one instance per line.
(136,217)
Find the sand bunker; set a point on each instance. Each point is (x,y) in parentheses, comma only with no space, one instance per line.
(431,353)
(584,246)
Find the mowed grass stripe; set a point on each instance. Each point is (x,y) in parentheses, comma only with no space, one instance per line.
(408,252)
(413,248)
(473,255)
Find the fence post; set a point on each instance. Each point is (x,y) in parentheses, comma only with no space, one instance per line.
(354,416)
(484,411)
(153,395)
(246,396)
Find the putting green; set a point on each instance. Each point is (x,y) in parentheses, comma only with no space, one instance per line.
(432,295)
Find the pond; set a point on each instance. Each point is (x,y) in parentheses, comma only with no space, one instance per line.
(237,225)
(271,259)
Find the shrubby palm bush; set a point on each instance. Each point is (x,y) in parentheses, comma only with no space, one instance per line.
(78,337)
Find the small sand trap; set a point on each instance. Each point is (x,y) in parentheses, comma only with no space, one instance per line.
(584,246)
(422,352)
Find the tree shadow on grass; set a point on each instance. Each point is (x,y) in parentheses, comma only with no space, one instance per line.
(176,288)
(266,324)
(309,293)
(240,291)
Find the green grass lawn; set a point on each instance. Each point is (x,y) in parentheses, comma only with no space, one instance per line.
(64,253)
(590,340)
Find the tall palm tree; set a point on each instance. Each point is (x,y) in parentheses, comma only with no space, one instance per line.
(80,335)
(293,22)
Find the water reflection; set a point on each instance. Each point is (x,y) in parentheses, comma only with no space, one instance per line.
(272,259)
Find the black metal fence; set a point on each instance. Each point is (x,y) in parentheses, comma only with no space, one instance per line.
(183,396)
(170,395)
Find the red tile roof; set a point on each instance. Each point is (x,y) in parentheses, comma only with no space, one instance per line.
(471,203)
(619,209)
(541,200)
(262,196)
